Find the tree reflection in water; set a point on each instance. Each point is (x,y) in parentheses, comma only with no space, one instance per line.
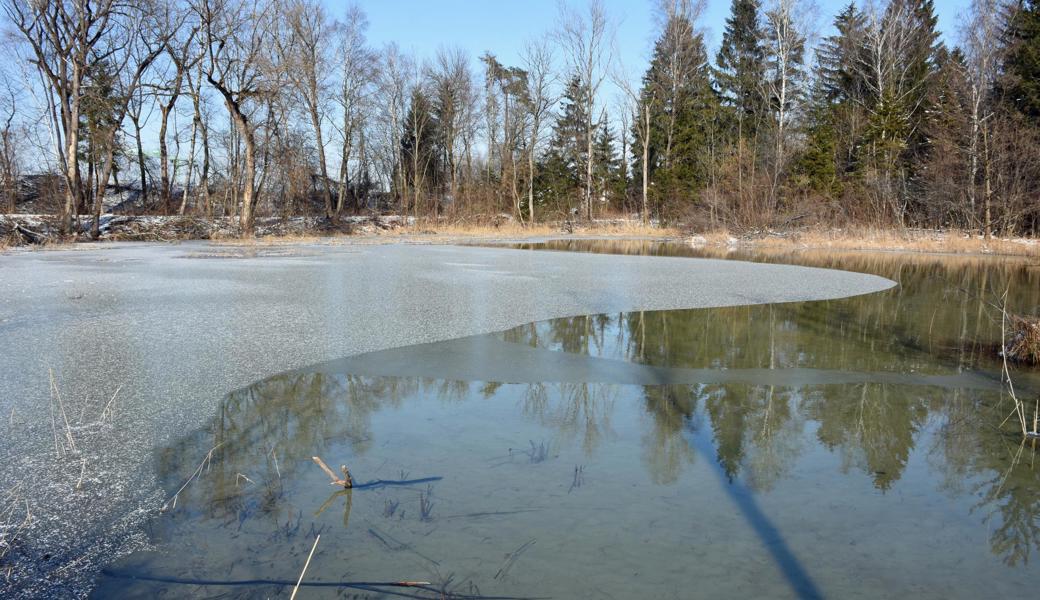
(759,433)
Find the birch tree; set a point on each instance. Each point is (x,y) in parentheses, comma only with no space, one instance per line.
(584,39)
(785,52)
(980,41)
(537,59)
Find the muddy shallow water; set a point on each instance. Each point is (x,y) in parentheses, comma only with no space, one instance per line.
(843,448)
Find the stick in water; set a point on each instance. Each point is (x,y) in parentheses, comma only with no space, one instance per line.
(305,565)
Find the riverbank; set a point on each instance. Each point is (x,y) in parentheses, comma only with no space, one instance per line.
(40,231)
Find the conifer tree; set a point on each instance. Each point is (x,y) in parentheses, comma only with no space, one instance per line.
(681,114)
(741,66)
(562,170)
(608,170)
(1021,83)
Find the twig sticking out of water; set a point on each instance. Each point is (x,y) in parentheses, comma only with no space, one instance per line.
(107,412)
(1020,406)
(425,505)
(539,453)
(390,507)
(82,472)
(11,504)
(65,417)
(579,477)
(345,482)
(172,502)
(305,565)
(511,559)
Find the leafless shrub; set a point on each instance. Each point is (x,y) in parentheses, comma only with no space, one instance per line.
(1024,345)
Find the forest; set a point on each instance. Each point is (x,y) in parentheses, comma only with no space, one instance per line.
(870,117)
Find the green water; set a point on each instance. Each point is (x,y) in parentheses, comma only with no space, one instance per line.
(851,448)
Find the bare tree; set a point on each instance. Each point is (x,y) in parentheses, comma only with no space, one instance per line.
(305,58)
(181,50)
(537,59)
(980,39)
(131,47)
(357,63)
(893,93)
(584,38)
(64,36)
(9,156)
(643,103)
(200,125)
(451,80)
(237,35)
(394,90)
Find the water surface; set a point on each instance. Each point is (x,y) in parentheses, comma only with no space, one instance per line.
(849,448)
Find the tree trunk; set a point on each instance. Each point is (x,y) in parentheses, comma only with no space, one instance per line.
(322,168)
(164,170)
(646,165)
(140,162)
(191,166)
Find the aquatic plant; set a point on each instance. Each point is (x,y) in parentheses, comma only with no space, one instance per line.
(579,478)
(390,507)
(539,453)
(426,505)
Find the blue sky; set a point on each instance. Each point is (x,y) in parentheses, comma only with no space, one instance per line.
(502,26)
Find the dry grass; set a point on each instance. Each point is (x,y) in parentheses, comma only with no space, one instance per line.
(15,516)
(443,231)
(512,229)
(946,242)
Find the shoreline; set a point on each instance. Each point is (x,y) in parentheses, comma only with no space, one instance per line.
(390,229)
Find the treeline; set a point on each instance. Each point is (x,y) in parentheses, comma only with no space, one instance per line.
(277,107)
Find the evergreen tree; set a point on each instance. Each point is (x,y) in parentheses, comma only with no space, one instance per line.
(1020,86)
(684,106)
(833,129)
(561,172)
(836,58)
(922,69)
(741,66)
(818,164)
(608,171)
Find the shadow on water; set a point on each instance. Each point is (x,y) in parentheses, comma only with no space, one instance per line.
(743,498)
(849,448)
